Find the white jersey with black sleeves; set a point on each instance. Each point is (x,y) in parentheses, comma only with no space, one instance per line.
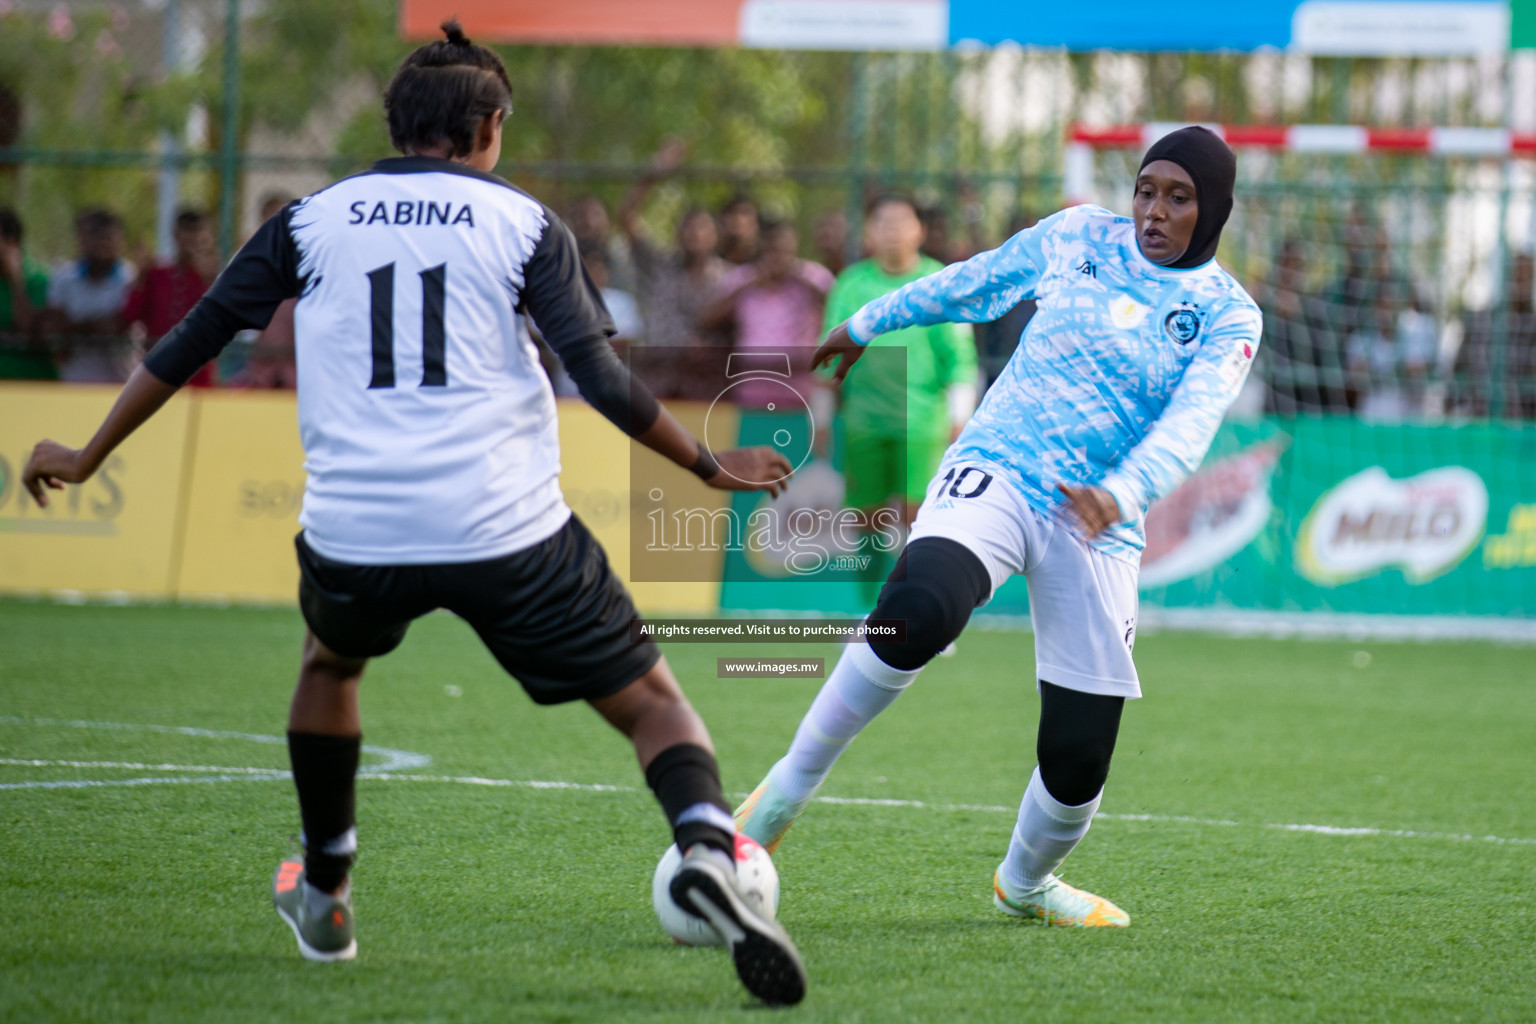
(428,423)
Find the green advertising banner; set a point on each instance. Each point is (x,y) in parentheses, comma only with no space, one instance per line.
(805,563)
(1304,515)
(1340,516)
(1522,24)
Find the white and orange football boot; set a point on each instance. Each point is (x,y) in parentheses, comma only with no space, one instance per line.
(1057,903)
(766,815)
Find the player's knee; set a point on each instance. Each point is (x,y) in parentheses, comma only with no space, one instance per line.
(1074,773)
(935,586)
(655,693)
(320,661)
(1077,739)
(930,625)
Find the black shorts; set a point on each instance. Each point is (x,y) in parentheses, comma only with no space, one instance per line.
(554,615)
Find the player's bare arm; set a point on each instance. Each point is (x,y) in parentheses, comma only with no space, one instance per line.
(1093,509)
(52,465)
(839,345)
(257,280)
(740,469)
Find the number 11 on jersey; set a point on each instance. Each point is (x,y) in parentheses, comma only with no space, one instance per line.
(434,355)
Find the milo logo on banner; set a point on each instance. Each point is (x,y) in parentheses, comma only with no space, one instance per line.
(1424,525)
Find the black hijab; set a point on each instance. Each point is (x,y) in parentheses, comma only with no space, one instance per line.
(1212,166)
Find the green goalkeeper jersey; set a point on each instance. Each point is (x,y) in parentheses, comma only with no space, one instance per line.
(937,357)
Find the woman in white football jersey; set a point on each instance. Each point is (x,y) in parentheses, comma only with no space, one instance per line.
(433,461)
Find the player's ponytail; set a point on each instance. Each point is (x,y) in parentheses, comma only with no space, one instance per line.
(443,91)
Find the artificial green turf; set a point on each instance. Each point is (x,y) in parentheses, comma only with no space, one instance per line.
(149,903)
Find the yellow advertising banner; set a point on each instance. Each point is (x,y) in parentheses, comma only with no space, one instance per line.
(600,468)
(246,482)
(115,534)
(203,502)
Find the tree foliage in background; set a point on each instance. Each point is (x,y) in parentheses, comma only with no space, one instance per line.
(802,131)
(78,89)
(583,109)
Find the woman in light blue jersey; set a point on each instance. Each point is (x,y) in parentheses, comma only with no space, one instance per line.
(1139,344)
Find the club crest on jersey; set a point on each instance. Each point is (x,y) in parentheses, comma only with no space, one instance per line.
(1126,313)
(1183,323)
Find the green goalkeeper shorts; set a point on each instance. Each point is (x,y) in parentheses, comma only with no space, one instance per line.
(877,469)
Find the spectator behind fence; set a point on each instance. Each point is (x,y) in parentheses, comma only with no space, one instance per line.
(1366,266)
(997,339)
(940,241)
(85,304)
(1357,305)
(270,362)
(1497,356)
(23,294)
(1418,344)
(829,239)
(1389,356)
(587,217)
(741,230)
(1301,342)
(680,359)
(898,415)
(775,305)
(166,292)
(629,328)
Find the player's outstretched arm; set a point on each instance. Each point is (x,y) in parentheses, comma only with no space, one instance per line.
(740,469)
(260,277)
(575,323)
(752,469)
(982,288)
(1177,442)
(52,465)
(839,345)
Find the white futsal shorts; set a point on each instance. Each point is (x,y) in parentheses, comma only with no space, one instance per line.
(1082,601)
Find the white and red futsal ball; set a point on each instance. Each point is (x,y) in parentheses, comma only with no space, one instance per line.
(759,882)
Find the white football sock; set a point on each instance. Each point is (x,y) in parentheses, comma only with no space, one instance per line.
(860,687)
(721,819)
(1046,832)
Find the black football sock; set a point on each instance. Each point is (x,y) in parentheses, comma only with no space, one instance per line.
(686,781)
(325,773)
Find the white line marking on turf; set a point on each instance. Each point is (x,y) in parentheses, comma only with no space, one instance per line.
(398,759)
(475,780)
(1405,833)
(1180,819)
(394,760)
(137,766)
(99,783)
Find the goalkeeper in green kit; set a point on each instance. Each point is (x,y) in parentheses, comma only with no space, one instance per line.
(896,427)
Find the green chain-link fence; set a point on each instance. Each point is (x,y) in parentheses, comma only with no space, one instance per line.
(142,107)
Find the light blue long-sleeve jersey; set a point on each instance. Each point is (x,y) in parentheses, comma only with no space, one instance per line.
(1122,376)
